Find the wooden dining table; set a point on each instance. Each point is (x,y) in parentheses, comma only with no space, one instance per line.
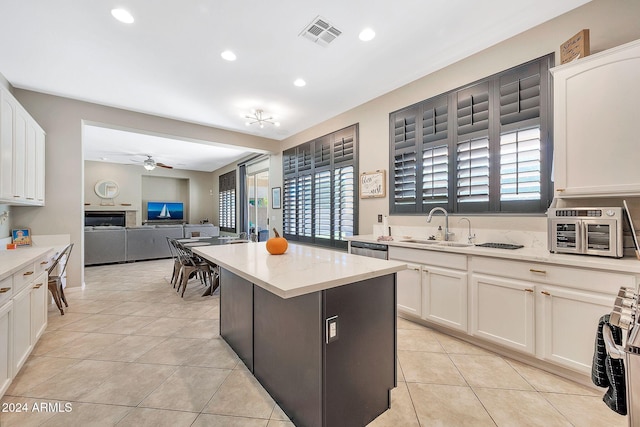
(192,242)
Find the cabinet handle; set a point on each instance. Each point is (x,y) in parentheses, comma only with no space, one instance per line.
(559,190)
(4,290)
(44,263)
(37,286)
(533,270)
(415,268)
(528,290)
(545,293)
(28,273)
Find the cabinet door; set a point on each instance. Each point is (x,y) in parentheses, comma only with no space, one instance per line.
(7,113)
(569,319)
(19,156)
(21,328)
(38,307)
(445,297)
(592,158)
(30,163)
(410,290)
(502,311)
(5,347)
(40,169)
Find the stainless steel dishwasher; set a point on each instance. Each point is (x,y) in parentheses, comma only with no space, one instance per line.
(372,250)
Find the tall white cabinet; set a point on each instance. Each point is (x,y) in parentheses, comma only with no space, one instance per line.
(596,111)
(22,151)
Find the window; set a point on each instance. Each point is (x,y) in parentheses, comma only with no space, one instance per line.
(227,203)
(319,195)
(483,148)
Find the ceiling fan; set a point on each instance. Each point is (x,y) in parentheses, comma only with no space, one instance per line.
(150,164)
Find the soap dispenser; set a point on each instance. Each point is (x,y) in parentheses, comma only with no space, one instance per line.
(439,233)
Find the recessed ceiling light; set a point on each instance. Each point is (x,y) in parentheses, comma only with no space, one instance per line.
(367,34)
(228,55)
(300,82)
(122,15)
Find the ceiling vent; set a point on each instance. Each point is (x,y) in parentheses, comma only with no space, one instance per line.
(320,31)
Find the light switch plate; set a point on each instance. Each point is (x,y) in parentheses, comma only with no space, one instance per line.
(331,327)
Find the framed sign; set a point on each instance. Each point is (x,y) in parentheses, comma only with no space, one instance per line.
(21,237)
(373,184)
(275,198)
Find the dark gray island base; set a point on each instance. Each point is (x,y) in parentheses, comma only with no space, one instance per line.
(318,380)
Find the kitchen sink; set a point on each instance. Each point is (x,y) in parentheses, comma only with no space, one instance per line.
(421,242)
(455,244)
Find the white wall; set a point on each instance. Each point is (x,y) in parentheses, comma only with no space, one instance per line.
(62,118)
(611,23)
(138,185)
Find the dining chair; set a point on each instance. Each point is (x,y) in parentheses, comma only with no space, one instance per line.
(190,266)
(176,261)
(55,281)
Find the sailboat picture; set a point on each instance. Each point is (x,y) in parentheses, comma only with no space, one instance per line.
(165,211)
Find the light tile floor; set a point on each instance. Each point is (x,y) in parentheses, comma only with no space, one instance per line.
(130,352)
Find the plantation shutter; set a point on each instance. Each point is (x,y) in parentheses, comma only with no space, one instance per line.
(522,95)
(227,201)
(404,160)
(344,203)
(435,153)
(472,148)
(319,195)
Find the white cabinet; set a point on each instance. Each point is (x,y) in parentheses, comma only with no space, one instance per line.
(7,118)
(445,296)
(435,286)
(596,111)
(22,344)
(39,308)
(548,310)
(29,318)
(568,320)
(24,299)
(22,150)
(5,346)
(409,290)
(503,311)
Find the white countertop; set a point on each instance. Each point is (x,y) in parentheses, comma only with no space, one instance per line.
(13,260)
(627,264)
(301,270)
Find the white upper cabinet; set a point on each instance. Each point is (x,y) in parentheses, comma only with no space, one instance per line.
(21,154)
(596,111)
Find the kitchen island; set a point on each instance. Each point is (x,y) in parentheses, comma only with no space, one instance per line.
(316,327)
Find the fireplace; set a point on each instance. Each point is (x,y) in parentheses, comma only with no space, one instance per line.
(113,218)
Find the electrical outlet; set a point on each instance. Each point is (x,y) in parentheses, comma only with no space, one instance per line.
(379,217)
(332,329)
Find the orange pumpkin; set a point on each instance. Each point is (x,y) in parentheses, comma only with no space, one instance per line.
(277,245)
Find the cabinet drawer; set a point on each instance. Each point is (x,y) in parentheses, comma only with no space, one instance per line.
(429,257)
(42,264)
(6,286)
(596,280)
(23,277)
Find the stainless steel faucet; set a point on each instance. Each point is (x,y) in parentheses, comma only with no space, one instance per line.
(470,238)
(446,219)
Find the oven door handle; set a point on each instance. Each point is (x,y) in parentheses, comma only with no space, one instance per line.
(583,238)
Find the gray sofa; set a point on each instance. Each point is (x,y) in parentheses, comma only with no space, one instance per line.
(104,245)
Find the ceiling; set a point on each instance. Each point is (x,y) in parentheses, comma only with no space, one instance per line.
(168,62)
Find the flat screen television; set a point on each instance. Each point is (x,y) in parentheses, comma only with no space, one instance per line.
(157,211)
